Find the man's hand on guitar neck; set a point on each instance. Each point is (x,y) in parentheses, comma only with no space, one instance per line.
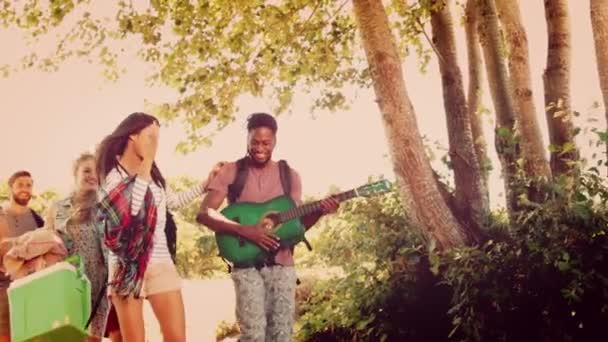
(328,205)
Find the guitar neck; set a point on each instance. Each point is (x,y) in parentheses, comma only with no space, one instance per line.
(312,207)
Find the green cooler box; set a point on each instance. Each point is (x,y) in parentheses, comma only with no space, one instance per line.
(50,305)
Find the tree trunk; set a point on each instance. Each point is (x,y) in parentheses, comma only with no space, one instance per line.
(531,142)
(468,178)
(556,79)
(425,207)
(474,90)
(506,141)
(599,23)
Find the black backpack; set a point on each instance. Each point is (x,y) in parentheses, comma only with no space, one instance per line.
(242,166)
(171,234)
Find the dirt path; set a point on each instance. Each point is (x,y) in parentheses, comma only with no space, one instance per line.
(207,303)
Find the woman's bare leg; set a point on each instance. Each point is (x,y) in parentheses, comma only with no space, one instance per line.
(168,308)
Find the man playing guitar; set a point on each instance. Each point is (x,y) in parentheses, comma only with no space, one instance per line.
(265,292)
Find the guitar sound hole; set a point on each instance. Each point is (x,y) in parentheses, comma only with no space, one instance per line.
(274,217)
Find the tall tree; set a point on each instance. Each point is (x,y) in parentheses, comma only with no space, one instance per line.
(506,141)
(599,24)
(410,162)
(474,88)
(556,79)
(532,147)
(470,192)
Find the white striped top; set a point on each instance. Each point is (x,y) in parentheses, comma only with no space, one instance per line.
(162,198)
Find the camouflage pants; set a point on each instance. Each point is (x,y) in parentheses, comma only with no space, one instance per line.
(265,303)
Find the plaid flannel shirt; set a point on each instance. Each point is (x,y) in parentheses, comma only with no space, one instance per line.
(129,237)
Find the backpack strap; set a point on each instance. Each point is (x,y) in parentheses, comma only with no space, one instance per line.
(235,189)
(37,218)
(284,173)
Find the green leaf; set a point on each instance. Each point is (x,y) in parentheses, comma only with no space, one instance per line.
(582,210)
(362,324)
(503,132)
(567,147)
(563,266)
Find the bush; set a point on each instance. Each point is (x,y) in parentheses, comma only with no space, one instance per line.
(542,278)
(548,282)
(197,253)
(386,277)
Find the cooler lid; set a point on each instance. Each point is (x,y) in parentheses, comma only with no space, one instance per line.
(36,275)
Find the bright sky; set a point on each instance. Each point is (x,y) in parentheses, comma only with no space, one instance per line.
(49,118)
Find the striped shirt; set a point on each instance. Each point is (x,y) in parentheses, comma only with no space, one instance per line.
(164,199)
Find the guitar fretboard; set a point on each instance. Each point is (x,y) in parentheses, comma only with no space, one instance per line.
(310,208)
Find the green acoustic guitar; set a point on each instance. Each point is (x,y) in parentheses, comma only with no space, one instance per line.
(286,218)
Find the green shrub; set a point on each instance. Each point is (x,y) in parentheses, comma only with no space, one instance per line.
(543,277)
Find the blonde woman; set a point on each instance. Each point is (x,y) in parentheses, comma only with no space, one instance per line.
(73,218)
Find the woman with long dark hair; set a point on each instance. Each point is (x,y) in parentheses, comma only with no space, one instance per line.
(134,201)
